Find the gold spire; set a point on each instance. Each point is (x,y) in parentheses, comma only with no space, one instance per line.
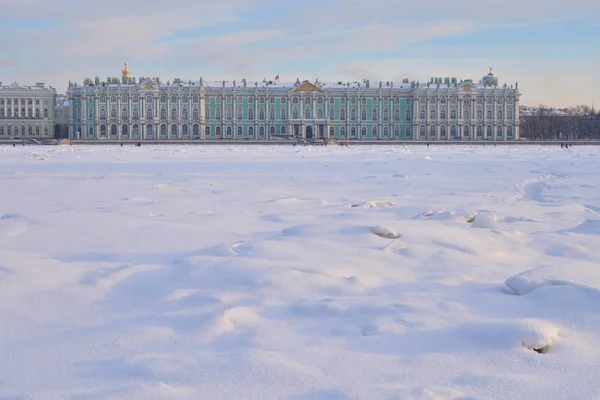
(126,72)
(491,69)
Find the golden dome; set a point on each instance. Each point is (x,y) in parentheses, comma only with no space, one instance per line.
(126,72)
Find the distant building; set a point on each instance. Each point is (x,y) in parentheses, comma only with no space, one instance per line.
(27,111)
(148,109)
(61,117)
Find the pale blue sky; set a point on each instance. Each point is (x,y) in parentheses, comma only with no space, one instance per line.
(550,47)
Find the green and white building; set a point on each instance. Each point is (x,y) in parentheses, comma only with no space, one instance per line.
(127,108)
(27,111)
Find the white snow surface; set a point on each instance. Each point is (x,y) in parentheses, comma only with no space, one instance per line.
(299,273)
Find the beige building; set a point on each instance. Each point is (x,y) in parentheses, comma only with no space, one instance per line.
(27,111)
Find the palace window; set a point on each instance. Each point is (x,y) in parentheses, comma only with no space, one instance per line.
(124,130)
(30,130)
(218,112)
(251,131)
(353,114)
(499,114)
(229,100)
(272,100)
(240,132)
(136,113)
(184,99)
(353,132)
(207,112)
(113,113)
(282,130)
(453,130)
(163,113)
(174,113)
(261,113)
(467,114)
(90,113)
(102,99)
(135,99)
(432,131)
(499,131)
(422,113)
(452,114)
(320,112)
(397,131)
(408,101)
(207,131)
(124,113)
(363,114)
(343,100)
(396,100)
(136,131)
(466,131)
(489,114)
(443,114)
(386,131)
(509,131)
(283,100)
(307,113)
(272,113)
(196,130)
(228,130)
(113,130)
(422,130)
(488,130)
(295,100)
(173,99)
(272,130)
(320,100)
(45,113)
(408,114)
(113,99)
(479,130)
(261,131)
(174,131)
(261,100)
(238,113)
(343,114)
(195,99)
(509,114)
(331,113)
(374,131)
(283,113)
(184,113)
(195,113)
(443,100)
(250,112)
(432,113)
(374,114)
(149,113)
(443,131)
(37,130)
(363,131)
(227,112)
(331,132)
(343,131)
(124,98)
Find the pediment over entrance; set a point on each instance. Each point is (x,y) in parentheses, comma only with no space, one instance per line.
(307,87)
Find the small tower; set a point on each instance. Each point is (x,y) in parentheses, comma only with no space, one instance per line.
(125,74)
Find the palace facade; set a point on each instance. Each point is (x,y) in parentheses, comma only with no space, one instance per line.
(27,111)
(127,108)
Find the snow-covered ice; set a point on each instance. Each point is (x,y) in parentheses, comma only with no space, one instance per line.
(299,273)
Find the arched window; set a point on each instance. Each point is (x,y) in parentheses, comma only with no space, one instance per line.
(295,113)
(207,131)
(113,130)
(30,130)
(90,113)
(185,130)
(251,113)
(124,130)
(432,131)
(102,113)
(397,131)
(149,113)
(396,114)
(136,131)
(452,114)
(45,113)
(136,113)
(408,114)
(363,130)
(319,112)
(23,130)
(509,131)
(272,113)
(218,112)
(374,114)
(174,113)
(307,113)
(272,130)
(239,131)
(488,130)
(343,114)
(196,130)
(466,131)
(331,132)
(479,130)
(206,112)
(499,131)
(282,130)
(331,113)
(343,131)
(228,131)
(363,114)
(432,113)
(453,130)
(184,114)
(374,132)
(113,113)
(261,113)
(386,131)
(282,113)
(499,114)
(124,113)
(443,114)
(90,131)
(163,113)
(227,112)
(422,113)
(195,114)
(163,130)
(479,114)
(251,131)
(386,114)
(261,131)
(9,130)
(467,114)
(174,131)
(149,131)
(422,130)
(102,130)
(443,131)
(509,114)
(45,131)
(218,131)
(489,114)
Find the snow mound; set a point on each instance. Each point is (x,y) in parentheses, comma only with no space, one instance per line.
(538,335)
(139,200)
(374,204)
(162,186)
(587,227)
(385,233)
(579,274)
(485,220)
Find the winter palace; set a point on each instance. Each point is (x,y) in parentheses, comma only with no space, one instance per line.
(27,111)
(127,108)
